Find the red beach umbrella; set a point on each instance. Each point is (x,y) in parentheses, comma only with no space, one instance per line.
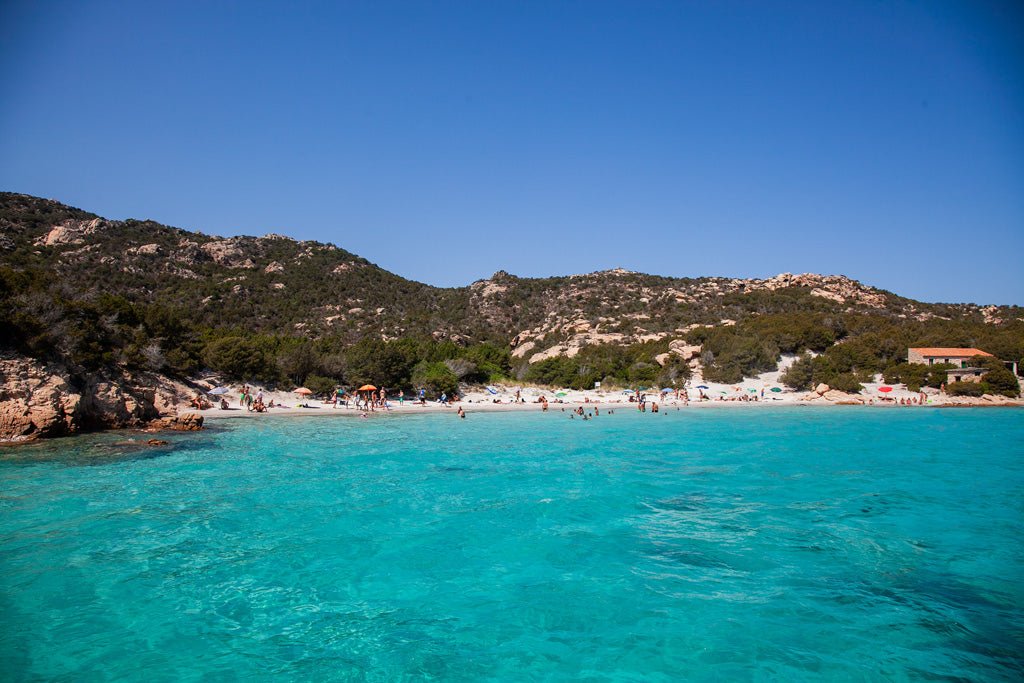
(885,390)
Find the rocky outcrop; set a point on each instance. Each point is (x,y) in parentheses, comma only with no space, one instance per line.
(945,401)
(39,400)
(70,232)
(229,253)
(36,401)
(188,422)
(822,394)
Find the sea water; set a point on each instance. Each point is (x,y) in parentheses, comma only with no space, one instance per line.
(734,544)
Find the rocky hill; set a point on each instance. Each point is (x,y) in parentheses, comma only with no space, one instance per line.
(274,283)
(93,296)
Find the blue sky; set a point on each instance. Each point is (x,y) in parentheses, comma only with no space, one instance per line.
(446,140)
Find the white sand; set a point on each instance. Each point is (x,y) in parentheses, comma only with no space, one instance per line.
(480,400)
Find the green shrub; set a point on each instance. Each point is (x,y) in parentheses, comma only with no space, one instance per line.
(917,375)
(844,381)
(237,357)
(435,378)
(319,385)
(556,372)
(998,379)
(965,389)
(800,375)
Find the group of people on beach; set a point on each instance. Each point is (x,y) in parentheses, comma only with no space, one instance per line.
(253,403)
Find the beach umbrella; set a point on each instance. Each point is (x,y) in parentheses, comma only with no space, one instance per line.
(367,387)
(885,390)
(561,394)
(303,391)
(703,386)
(776,389)
(218,391)
(666,390)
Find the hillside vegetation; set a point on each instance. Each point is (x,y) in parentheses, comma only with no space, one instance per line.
(86,293)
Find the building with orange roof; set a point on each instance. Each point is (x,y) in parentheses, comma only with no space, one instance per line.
(953,356)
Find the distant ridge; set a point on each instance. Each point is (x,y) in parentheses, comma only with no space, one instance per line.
(277,283)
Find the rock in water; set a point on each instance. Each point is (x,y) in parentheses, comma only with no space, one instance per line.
(36,401)
(189,422)
(40,400)
(186,422)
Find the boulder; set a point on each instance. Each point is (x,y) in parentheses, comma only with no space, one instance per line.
(189,422)
(70,232)
(842,397)
(229,253)
(821,389)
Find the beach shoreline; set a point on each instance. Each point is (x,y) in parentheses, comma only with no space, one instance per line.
(504,402)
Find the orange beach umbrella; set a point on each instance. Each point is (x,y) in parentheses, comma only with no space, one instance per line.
(367,387)
(304,391)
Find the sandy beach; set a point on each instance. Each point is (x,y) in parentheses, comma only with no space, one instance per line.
(752,392)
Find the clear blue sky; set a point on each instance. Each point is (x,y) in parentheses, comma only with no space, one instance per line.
(447,140)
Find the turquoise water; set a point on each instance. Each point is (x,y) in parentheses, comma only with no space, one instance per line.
(733,544)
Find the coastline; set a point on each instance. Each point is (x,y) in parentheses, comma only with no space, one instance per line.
(174,413)
(479,402)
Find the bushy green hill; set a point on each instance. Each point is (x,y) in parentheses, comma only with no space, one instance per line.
(88,292)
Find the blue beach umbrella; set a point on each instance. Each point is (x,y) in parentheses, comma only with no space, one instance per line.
(218,391)
(703,386)
(666,390)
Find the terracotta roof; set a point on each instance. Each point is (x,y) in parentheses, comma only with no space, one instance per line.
(951,353)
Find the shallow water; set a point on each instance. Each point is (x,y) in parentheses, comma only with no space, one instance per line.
(733,544)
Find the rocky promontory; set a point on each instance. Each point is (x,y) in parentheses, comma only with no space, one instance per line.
(43,400)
